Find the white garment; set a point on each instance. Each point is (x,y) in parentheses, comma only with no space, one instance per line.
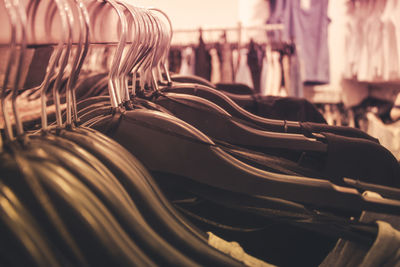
(271,73)
(243,73)
(375,37)
(349,40)
(372,44)
(390,50)
(396,21)
(188,62)
(215,66)
(264,76)
(363,29)
(388,134)
(235,64)
(234,250)
(354,40)
(395,112)
(277,74)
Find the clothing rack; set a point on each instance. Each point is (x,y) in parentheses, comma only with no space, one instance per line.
(239,29)
(266,27)
(111,180)
(284,48)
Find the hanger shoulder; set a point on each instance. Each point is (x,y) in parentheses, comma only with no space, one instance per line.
(196,157)
(217,123)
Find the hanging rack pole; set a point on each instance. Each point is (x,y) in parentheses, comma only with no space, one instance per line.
(266,27)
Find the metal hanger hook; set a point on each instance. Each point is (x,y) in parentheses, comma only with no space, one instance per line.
(83,42)
(113,75)
(64,59)
(53,62)
(12,16)
(163,61)
(22,20)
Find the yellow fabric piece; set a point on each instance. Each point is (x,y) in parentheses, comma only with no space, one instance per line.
(235,251)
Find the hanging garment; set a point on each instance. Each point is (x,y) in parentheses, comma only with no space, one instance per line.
(225,54)
(174,60)
(286,74)
(340,154)
(203,60)
(375,36)
(254,61)
(188,62)
(390,49)
(235,61)
(236,88)
(215,66)
(243,73)
(384,252)
(388,134)
(277,17)
(264,75)
(394,15)
(362,44)
(270,73)
(307,25)
(354,39)
(296,84)
(284,108)
(371,60)
(395,111)
(276,79)
(236,251)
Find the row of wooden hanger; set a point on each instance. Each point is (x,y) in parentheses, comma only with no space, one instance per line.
(67,194)
(142,48)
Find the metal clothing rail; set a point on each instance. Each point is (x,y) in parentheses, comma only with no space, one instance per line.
(266,27)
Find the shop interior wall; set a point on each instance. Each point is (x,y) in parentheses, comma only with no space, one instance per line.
(211,14)
(195,14)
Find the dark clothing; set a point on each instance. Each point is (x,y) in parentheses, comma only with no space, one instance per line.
(378,106)
(174,60)
(203,61)
(384,251)
(235,88)
(274,107)
(254,60)
(311,127)
(288,108)
(262,237)
(360,159)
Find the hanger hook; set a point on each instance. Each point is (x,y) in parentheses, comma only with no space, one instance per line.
(145,44)
(132,31)
(162,51)
(53,62)
(138,47)
(75,61)
(113,74)
(157,51)
(31,12)
(12,16)
(148,62)
(21,15)
(69,18)
(164,60)
(84,38)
